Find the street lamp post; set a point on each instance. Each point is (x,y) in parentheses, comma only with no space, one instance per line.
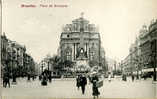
(48,65)
(42,66)
(13,64)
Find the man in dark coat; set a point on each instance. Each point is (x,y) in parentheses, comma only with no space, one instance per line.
(132,76)
(28,77)
(50,78)
(124,78)
(6,80)
(44,80)
(83,83)
(78,82)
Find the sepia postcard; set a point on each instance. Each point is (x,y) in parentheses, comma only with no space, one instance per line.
(78,49)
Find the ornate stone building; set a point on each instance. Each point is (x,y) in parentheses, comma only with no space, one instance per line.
(153,41)
(145,47)
(80,42)
(142,55)
(4,44)
(14,59)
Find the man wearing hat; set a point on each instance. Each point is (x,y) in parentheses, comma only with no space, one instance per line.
(83,83)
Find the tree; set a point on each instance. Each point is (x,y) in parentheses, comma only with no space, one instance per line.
(56,62)
(93,63)
(68,63)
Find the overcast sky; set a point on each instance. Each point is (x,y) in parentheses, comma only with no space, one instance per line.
(39,28)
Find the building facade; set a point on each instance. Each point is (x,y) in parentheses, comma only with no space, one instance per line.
(125,65)
(14,59)
(4,54)
(80,42)
(142,53)
(145,47)
(153,40)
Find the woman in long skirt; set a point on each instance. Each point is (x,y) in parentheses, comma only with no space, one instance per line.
(96,92)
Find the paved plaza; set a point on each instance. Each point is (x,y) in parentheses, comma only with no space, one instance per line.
(66,88)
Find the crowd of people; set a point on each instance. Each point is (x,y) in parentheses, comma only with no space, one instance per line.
(45,77)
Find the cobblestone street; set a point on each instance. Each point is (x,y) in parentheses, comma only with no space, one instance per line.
(66,88)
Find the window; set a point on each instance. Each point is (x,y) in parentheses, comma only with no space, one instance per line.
(92,55)
(68,56)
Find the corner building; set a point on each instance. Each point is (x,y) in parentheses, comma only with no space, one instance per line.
(80,42)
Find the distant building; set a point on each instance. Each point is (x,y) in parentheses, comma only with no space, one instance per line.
(145,47)
(125,65)
(80,42)
(134,54)
(4,54)
(142,53)
(153,36)
(153,40)
(111,64)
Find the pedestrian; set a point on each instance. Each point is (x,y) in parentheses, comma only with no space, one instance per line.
(109,77)
(132,76)
(6,81)
(78,82)
(44,80)
(28,77)
(14,78)
(95,90)
(50,78)
(144,76)
(124,78)
(137,76)
(40,77)
(83,83)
